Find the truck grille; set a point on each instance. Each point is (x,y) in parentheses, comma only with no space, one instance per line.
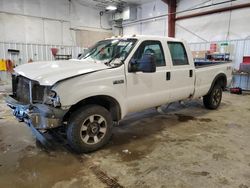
(21,90)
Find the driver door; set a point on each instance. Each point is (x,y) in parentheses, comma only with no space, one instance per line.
(146,90)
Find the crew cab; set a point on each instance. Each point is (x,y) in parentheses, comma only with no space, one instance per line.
(117,76)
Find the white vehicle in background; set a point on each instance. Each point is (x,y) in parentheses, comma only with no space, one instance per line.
(115,77)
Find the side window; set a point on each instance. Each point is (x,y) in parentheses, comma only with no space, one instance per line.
(150,47)
(178,53)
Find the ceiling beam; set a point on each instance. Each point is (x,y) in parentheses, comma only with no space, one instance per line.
(224,9)
(171,16)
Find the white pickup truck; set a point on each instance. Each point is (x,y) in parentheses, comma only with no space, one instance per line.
(115,77)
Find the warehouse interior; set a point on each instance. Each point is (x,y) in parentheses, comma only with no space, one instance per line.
(179,144)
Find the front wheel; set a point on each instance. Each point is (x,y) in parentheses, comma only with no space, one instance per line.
(213,99)
(89,129)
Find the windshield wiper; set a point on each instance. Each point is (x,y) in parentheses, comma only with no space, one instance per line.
(115,56)
(98,51)
(90,53)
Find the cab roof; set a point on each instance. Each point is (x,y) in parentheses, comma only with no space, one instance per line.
(147,37)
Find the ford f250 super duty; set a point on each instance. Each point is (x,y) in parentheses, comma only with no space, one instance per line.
(117,76)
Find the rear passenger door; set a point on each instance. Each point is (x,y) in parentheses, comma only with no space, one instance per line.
(182,73)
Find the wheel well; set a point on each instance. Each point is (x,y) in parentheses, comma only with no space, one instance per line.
(220,79)
(107,102)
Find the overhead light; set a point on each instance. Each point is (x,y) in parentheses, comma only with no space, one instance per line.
(111,7)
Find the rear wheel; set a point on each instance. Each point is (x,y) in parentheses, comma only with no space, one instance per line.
(89,129)
(213,99)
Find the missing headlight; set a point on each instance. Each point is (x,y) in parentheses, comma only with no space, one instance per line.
(52,94)
(53,99)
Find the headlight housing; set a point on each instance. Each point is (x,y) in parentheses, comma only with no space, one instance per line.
(53,99)
(52,94)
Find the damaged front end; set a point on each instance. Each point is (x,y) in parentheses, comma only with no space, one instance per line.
(36,105)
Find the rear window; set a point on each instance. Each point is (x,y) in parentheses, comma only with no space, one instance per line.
(178,53)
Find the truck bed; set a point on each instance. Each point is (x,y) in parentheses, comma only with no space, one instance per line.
(200,64)
(206,73)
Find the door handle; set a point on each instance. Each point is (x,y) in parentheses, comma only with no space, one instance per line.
(168,76)
(190,73)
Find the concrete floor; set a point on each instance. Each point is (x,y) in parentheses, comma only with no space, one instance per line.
(188,146)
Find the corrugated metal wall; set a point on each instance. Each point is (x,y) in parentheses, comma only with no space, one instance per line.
(237,49)
(36,52)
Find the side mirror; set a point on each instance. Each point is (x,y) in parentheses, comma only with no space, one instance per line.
(133,66)
(147,64)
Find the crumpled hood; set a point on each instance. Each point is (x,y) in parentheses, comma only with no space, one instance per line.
(50,72)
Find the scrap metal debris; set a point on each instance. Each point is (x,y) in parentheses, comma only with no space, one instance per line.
(126,151)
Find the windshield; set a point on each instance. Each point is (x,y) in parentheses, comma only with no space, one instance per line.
(107,51)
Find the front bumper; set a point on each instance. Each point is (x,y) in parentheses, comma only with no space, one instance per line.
(40,116)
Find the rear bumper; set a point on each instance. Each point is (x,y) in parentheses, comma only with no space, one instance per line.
(40,116)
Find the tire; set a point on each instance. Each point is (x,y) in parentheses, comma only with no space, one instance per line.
(89,129)
(213,99)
